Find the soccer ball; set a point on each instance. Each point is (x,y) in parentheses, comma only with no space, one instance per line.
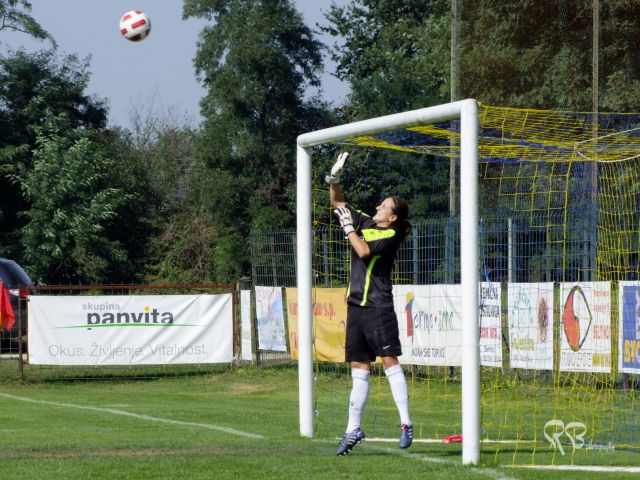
(135,25)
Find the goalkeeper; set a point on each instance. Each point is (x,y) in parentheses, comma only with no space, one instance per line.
(372,325)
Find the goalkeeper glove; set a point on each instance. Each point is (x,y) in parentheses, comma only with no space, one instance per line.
(346,222)
(336,170)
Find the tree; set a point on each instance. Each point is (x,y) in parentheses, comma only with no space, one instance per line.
(30,85)
(14,16)
(534,54)
(620,67)
(70,235)
(255,60)
(527,53)
(394,54)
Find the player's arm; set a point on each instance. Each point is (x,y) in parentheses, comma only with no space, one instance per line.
(341,210)
(359,245)
(335,195)
(346,222)
(333,179)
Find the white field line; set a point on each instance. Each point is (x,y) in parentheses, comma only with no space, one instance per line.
(486,472)
(582,468)
(395,440)
(440,440)
(489,472)
(148,418)
(420,457)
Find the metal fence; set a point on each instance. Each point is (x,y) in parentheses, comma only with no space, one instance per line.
(512,248)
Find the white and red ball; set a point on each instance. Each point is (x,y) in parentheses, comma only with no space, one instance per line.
(135,25)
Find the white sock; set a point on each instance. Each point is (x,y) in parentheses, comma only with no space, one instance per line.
(359,397)
(398,384)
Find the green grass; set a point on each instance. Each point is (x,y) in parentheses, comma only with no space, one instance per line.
(45,439)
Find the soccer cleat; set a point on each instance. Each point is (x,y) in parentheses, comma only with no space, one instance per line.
(350,440)
(406,435)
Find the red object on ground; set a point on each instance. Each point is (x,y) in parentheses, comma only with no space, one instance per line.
(452,439)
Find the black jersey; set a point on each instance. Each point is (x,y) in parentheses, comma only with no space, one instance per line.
(370,281)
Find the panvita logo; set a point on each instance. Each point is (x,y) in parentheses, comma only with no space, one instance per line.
(149,316)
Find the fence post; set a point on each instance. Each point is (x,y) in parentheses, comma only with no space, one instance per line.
(20,360)
(449,250)
(325,258)
(510,263)
(274,265)
(254,325)
(235,314)
(416,261)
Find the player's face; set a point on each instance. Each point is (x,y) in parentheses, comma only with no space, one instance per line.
(385,213)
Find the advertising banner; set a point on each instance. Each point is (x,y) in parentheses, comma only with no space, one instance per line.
(130,330)
(530,313)
(585,337)
(246,345)
(490,324)
(430,324)
(329,323)
(629,330)
(270,319)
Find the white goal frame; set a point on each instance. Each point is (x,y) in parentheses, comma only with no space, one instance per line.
(467,112)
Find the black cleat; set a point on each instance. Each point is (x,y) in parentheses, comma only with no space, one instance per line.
(350,440)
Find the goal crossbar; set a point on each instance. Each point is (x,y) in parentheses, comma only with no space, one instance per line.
(467,112)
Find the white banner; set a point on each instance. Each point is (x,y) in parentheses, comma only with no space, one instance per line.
(270,319)
(530,307)
(430,324)
(246,346)
(130,330)
(490,324)
(585,338)
(629,327)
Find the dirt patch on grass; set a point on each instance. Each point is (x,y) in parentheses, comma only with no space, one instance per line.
(122,452)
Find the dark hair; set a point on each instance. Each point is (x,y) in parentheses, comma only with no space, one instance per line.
(401,209)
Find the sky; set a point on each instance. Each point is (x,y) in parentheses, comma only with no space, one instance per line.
(155,76)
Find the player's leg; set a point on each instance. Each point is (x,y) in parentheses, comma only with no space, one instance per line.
(359,393)
(389,348)
(359,355)
(398,384)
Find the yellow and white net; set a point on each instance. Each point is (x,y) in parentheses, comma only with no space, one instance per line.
(560,298)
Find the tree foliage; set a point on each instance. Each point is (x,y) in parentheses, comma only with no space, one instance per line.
(14,15)
(33,86)
(255,59)
(80,202)
(74,207)
(536,54)
(394,54)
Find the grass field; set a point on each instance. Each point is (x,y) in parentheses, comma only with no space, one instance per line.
(231,424)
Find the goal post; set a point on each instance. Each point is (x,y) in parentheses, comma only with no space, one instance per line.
(467,112)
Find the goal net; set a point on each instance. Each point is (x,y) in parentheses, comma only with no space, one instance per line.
(517,294)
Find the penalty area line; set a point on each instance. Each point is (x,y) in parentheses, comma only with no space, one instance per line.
(209,426)
(421,457)
(487,472)
(440,440)
(581,468)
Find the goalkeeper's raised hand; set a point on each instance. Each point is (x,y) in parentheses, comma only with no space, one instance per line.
(346,221)
(336,170)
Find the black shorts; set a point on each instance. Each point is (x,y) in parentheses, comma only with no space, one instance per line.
(371,333)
